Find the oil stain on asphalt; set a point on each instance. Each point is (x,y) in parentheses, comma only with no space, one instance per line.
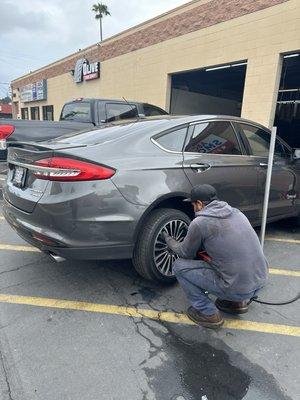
(202,367)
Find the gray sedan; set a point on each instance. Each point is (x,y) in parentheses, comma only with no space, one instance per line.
(109,193)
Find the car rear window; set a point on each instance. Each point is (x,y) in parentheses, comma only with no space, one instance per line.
(76,112)
(172,141)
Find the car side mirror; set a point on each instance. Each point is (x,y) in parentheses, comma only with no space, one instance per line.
(296,154)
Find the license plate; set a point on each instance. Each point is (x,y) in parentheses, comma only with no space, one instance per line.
(19,176)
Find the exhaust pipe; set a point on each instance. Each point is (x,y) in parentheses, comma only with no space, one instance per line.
(56,258)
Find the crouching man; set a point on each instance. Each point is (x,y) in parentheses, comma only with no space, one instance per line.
(237,268)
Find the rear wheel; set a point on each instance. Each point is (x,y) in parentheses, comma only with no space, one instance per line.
(152,259)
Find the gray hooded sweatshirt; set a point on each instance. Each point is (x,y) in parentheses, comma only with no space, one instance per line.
(226,235)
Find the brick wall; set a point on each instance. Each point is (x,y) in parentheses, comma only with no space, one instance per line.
(200,17)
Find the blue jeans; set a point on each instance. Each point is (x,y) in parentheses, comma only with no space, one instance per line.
(201,278)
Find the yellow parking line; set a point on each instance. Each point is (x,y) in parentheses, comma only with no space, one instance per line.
(10,247)
(276,239)
(164,316)
(285,272)
(2,218)
(15,247)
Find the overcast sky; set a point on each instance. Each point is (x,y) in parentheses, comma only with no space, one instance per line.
(34,33)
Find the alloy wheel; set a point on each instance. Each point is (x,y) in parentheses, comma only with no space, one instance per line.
(162,256)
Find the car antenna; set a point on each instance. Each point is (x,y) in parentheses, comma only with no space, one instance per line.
(131,106)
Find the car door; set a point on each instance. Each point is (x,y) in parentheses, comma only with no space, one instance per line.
(214,154)
(283,183)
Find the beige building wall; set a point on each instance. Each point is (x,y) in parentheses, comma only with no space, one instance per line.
(260,38)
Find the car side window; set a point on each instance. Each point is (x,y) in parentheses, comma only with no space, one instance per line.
(150,111)
(281,150)
(217,137)
(172,141)
(259,141)
(117,111)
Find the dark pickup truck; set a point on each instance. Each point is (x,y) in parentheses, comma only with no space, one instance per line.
(75,116)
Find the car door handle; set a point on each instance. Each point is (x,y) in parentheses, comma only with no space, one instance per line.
(200,167)
(263,165)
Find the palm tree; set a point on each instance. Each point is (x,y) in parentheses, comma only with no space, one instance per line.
(101,11)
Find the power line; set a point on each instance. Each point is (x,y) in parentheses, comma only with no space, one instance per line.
(22,56)
(4,92)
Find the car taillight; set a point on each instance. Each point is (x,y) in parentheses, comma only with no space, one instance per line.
(68,169)
(5,131)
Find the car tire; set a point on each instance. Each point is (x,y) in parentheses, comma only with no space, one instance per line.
(149,238)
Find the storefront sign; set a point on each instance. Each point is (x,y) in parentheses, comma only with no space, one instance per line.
(34,91)
(86,71)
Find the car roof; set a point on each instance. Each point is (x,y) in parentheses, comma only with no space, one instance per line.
(118,130)
(92,99)
(175,120)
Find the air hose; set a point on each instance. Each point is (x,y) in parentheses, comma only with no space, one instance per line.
(255,298)
(275,304)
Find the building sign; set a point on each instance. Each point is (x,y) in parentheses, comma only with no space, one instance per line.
(34,91)
(86,71)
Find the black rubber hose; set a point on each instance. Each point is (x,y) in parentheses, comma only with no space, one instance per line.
(276,304)
(255,298)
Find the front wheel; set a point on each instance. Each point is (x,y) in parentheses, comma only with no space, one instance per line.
(152,258)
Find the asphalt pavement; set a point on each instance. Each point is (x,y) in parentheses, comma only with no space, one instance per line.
(97,331)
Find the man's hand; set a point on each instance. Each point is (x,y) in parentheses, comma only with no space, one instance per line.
(169,239)
(166,236)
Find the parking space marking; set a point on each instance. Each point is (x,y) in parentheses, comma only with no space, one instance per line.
(284,272)
(276,239)
(165,316)
(2,218)
(13,247)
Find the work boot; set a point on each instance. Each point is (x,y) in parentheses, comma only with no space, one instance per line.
(232,307)
(209,321)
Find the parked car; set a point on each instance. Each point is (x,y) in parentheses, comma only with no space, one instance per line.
(75,116)
(110,193)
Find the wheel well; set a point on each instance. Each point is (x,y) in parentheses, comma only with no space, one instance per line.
(178,204)
(172,202)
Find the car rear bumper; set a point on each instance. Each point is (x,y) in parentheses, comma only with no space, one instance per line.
(98,225)
(100,252)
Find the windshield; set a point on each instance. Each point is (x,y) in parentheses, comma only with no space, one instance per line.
(76,111)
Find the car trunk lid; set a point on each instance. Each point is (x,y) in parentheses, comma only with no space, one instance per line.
(23,189)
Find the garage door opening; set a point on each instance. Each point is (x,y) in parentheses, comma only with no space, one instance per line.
(215,90)
(287,117)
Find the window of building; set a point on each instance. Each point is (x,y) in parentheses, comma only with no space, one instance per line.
(34,112)
(173,141)
(117,111)
(24,113)
(216,137)
(259,141)
(48,113)
(151,111)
